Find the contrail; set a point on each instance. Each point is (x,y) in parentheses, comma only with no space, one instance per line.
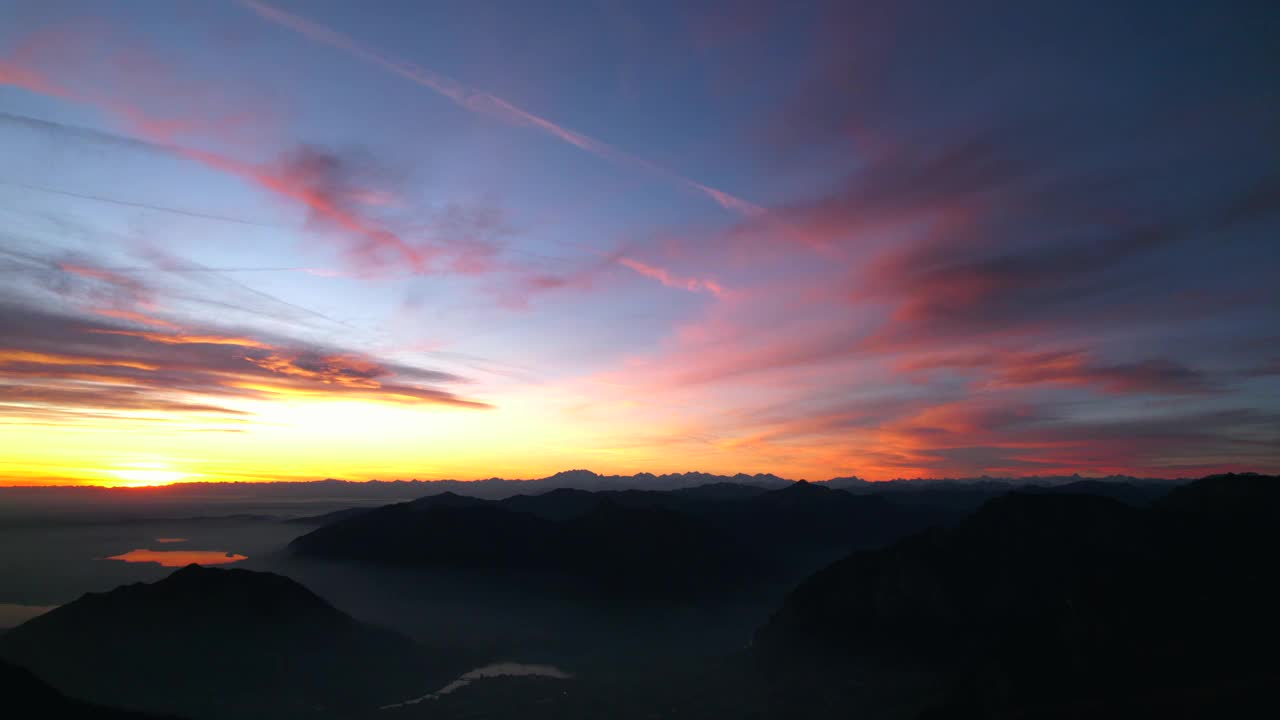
(83,132)
(484,103)
(132,204)
(265,178)
(166,271)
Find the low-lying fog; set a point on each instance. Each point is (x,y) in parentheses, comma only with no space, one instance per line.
(61,558)
(51,554)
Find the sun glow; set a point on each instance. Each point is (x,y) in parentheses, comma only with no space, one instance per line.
(145,474)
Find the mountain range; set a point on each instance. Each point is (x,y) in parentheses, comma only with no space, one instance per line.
(1101,599)
(496,488)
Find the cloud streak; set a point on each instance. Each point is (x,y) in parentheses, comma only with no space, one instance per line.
(484,103)
(134,204)
(97,351)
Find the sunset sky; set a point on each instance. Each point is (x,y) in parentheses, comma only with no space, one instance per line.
(395,239)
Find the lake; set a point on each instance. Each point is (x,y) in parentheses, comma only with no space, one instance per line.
(503,669)
(179,558)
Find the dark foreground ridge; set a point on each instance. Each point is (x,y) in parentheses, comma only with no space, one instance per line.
(1051,605)
(22,694)
(213,643)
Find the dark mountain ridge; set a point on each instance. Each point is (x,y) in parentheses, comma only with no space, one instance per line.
(624,543)
(1046,600)
(720,534)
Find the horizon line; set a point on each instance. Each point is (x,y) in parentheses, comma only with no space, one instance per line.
(969,478)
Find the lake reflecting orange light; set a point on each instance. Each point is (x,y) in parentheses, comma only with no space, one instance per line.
(179,558)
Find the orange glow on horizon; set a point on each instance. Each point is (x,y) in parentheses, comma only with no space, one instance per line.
(145,475)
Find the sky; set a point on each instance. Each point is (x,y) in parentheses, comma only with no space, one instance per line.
(284,240)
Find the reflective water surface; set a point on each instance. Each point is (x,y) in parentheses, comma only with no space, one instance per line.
(179,558)
(504,669)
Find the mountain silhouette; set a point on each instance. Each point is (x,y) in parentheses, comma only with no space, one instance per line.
(646,549)
(623,540)
(816,515)
(568,503)
(213,643)
(1045,604)
(721,492)
(439,530)
(1132,493)
(944,590)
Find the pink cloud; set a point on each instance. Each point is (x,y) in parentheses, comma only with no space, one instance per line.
(670,279)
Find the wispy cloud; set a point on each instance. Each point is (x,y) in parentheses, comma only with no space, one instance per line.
(671,279)
(68,365)
(307,184)
(1162,376)
(340,194)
